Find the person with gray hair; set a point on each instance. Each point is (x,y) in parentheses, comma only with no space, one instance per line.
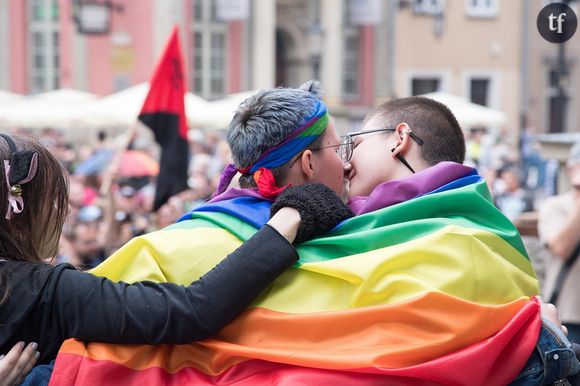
(558,224)
(282,137)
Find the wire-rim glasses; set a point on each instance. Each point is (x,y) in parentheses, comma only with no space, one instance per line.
(349,142)
(343,149)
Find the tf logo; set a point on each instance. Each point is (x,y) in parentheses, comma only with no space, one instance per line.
(557,22)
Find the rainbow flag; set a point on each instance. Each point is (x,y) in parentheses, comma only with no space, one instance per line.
(430,291)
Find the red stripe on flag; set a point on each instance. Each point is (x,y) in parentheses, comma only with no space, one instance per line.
(167,91)
(494,361)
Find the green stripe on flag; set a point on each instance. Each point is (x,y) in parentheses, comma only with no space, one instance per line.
(468,207)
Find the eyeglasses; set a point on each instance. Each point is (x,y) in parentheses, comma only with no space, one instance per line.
(347,140)
(342,149)
(414,136)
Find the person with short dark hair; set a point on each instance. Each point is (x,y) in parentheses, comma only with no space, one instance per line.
(401,128)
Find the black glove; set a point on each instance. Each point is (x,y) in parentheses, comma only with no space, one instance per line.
(319,206)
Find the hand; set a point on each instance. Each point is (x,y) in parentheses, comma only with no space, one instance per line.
(319,207)
(286,221)
(16,365)
(549,312)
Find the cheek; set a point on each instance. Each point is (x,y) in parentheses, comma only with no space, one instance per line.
(369,164)
(335,178)
(363,183)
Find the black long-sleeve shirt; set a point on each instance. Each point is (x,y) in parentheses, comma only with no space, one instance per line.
(48,304)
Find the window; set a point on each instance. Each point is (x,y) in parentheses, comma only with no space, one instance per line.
(421,86)
(558,101)
(43,37)
(218,62)
(482,8)
(209,58)
(351,63)
(479,91)
(428,7)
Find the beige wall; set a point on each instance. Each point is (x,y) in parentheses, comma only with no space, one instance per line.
(540,57)
(263,44)
(466,46)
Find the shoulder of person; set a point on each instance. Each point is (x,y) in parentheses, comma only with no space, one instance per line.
(31,273)
(554,203)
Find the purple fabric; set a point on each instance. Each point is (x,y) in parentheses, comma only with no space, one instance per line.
(226,178)
(396,191)
(235,193)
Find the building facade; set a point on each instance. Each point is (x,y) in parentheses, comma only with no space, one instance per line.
(363,51)
(541,86)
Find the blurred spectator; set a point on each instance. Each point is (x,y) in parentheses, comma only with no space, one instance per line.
(101,220)
(499,154)
(169,212)
(532,163)
(511,198)
(473,144)
(559,229)
(87,246)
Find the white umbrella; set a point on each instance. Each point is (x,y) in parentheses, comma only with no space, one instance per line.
(122,108)
(53,109)
(61,96)
(221,112)
(9,98)
(7,102)
(469,114)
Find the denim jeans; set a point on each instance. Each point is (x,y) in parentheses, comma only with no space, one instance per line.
(552,361)
(39,375)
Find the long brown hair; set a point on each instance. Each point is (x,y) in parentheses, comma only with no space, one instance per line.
(33,234)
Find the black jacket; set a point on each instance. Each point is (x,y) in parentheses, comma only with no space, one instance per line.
(47,304)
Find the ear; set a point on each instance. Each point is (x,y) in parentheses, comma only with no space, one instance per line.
(307,165)
(402,138)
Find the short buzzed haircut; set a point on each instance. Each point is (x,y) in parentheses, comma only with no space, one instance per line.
(431,121)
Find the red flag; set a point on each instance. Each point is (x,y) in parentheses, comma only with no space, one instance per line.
(164,113)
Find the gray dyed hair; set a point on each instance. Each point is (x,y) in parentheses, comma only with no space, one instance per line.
(266,118)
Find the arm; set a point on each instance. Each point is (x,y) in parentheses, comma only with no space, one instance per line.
(96,309)
(549,313)
(562,238)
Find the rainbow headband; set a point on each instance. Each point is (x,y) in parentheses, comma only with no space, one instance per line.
(278,155)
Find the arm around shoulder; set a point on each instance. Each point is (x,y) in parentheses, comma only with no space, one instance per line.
(96,309)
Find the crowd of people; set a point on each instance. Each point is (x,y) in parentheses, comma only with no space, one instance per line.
(517,179)
(101,220)
(108,209)
(524,183)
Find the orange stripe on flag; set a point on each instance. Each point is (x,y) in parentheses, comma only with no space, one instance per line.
(392,336)
(489,362)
